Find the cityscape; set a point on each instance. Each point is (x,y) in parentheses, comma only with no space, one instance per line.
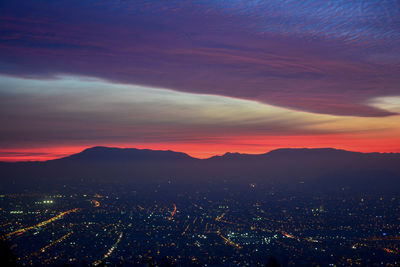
(247,227)
(200,133)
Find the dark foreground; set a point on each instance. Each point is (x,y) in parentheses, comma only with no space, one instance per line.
(164,225)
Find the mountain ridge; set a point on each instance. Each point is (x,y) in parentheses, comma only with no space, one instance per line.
(115,153)
(318,167)
(94,151)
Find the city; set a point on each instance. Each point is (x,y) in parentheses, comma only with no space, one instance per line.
(200,228)
(200,133)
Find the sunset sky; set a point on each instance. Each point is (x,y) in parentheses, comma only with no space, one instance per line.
(201,77)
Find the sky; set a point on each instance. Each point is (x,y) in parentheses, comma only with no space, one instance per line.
(201,77)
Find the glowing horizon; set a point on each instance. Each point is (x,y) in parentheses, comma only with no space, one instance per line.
(45,154)
(210,124)
(201,78)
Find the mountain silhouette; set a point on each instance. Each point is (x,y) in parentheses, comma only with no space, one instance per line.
(112,154)
(318,168)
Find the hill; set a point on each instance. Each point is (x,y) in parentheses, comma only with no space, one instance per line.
(320,168)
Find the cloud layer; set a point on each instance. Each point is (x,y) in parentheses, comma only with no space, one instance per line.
(203,77)
(328,57)
(67,114)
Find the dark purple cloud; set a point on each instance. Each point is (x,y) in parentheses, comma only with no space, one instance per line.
(326,57)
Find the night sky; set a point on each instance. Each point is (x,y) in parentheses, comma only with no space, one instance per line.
(201,77)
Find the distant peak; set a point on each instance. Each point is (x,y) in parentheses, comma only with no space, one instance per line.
(285,151)
(232,154)
(93,149)
(229,155)
(326,150)
(123,154)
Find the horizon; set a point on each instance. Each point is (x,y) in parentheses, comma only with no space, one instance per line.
(203,78)
(18,159)
(199,133)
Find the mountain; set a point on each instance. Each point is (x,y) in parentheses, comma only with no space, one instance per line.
(113,154)
(319,168)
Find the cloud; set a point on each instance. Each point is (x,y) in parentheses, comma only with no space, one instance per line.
(78,111)
(391,103)
(303,55)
